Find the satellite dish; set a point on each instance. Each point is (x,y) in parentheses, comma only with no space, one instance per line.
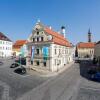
(49,37)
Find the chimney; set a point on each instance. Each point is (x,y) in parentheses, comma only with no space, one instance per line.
(89,36)
(63,31)
(50,27)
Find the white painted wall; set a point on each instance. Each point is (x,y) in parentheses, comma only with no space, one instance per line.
(5,48)
(59,60)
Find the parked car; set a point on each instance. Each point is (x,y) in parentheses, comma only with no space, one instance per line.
(21,60)
(14,65)
(77,61)
(1,63)
(20,70)
(96,76)
(91,71)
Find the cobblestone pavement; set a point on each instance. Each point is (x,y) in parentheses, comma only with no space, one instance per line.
(5,91)
(62,87)
(88,90)
(1,92)
(72,84)
(15,85)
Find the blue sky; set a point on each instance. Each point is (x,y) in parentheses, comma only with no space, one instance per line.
(18,17)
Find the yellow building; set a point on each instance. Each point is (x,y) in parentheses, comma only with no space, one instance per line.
(17,46)
(85,50)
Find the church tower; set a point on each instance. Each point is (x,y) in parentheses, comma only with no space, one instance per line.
(89,36)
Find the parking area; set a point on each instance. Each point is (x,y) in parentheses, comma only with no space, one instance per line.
(18,84)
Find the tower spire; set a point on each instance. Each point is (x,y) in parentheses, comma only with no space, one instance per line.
(89,35)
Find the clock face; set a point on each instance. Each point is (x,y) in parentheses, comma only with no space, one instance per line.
(49,37)
(37,27)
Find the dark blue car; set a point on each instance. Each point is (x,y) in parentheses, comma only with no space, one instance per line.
(96,76)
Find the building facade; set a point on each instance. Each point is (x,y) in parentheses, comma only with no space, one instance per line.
(17,46)
(48,49)
(5,46)
(97,51)
(85,49)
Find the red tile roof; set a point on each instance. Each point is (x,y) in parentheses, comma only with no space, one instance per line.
(3,37)
(19,43)
(86,45)
(98,42)
(58,38)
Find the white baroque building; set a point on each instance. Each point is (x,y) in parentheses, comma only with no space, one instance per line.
(5,46)
(48,49)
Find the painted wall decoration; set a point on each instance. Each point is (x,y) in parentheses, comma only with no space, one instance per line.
(23,50)
(45,52)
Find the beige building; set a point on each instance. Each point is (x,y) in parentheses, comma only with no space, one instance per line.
(48,49)
(86,49)
(97,51)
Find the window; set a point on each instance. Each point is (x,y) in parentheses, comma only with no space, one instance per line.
(37,63)
(37,51)
(55,51)
(92,51)
(37,38)
(33,39)
(65,51)
(0,42)
(59,51)
(55,62)
(41,38)
(44,63)
(37,33)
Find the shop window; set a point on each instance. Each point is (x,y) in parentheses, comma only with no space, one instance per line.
(44,63)
(37,63)
(41,38)
(37,39)
(33,39)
